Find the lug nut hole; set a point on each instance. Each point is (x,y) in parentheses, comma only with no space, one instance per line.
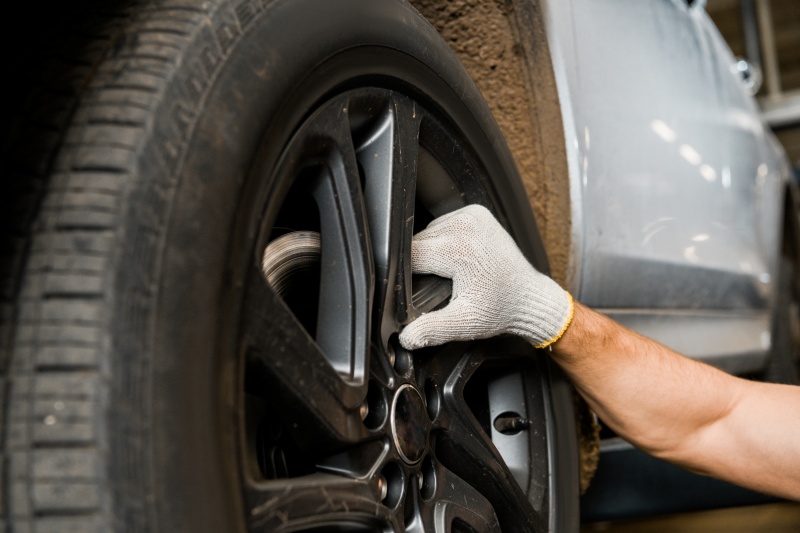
(391,484)
(432,398)
(427,488)
(374,409)
(401,358)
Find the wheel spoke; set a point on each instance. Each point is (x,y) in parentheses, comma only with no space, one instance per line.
(361,461)
(323,408)
(388,156)
(314,501)
(452,501)
(327,161)
(472,456)
(463,445)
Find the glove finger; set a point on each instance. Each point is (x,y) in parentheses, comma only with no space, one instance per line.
(475,211)
(430,256)
(437,327)
(441,219)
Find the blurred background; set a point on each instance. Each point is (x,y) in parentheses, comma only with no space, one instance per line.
(766,33)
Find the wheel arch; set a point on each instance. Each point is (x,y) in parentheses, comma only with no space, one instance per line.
(503,46)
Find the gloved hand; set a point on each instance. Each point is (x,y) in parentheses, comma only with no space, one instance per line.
(495,289)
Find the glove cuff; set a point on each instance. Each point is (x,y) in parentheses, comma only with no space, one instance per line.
(566,325)
(543,311)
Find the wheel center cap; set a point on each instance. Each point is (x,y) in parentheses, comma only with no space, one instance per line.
(409,423)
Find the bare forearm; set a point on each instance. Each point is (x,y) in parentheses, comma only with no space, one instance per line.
(635,384)
(681,410)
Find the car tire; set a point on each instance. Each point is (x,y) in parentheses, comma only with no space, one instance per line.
(159,379)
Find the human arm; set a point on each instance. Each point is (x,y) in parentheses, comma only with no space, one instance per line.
(684,411)
(671,406)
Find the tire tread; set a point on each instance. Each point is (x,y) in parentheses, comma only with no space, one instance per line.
(74,144)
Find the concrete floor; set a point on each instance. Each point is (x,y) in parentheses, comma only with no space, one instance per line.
(770,518)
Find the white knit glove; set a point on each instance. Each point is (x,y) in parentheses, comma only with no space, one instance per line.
(495,289)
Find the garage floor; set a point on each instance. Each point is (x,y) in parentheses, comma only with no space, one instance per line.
(771,518)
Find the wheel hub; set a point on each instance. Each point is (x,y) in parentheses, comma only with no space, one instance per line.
(409,424)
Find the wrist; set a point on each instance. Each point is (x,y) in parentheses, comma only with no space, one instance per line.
(587,332)
(543,310)
(565,327)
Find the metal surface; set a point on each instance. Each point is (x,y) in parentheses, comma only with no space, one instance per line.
(783,110)
(736,341)
(286,255)
(677,202)
(750,74)
(507,399)
(769,51)
(409,424)
(750,30)
(403,440)
(677,184)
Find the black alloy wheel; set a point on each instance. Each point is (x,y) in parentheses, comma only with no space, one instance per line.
(450,439)
(223,246)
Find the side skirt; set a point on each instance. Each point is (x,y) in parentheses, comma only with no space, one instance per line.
(736,341)
(631,484)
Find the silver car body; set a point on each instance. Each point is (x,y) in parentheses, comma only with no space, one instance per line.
(677,186)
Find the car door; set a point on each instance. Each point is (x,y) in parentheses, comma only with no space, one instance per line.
(665,175)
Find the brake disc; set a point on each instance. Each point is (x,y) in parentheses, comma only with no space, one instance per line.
(289,255)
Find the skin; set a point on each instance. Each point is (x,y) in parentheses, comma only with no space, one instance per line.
(682,410)
(673,407)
